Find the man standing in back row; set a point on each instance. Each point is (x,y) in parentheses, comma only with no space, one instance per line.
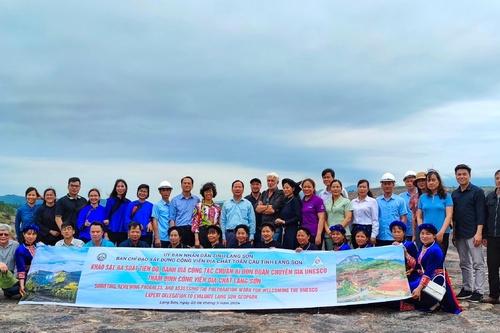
(328,175)
(468,222)
(68,206)
(236,211)
(181,210)
(409,178)
(391,208)
(271,202)
(253,197)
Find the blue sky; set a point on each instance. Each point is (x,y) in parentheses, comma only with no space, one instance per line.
(225,90)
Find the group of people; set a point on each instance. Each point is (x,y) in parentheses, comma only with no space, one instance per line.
(282,218)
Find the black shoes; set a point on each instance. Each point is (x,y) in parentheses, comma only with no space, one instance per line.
(475,297)
(464,294)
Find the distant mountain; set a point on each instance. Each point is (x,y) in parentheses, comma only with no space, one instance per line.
(13,199)
(350,260)
(18,200)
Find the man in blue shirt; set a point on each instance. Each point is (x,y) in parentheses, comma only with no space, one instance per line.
(96,235)
(161,216)
(181,210)
(468,222)
(391,208)
(235,211)
(409,178)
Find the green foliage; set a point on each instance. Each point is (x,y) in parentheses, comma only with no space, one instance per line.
(7,209)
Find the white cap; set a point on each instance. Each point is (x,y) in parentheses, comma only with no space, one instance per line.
(388,177)
(410,173)
(165,184)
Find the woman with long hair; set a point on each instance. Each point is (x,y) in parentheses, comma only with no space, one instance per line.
(114,215)
(436,208)
(365,211)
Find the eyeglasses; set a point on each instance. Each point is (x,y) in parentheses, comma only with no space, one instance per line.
(5,235)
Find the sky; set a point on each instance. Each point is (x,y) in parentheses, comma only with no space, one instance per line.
(223,90)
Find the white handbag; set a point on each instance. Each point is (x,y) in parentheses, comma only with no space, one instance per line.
(434,289)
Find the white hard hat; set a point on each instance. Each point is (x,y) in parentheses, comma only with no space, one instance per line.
(165,184)
(388,177)
(410,173)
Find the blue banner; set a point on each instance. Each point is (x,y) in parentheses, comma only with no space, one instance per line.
(214,279)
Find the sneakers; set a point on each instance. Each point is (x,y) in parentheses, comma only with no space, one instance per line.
(464,294)
(490,300)
(475,297)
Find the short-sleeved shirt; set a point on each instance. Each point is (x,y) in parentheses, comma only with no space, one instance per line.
(181,209)
(310,210)
(434,209)
(335,211)
(161,211)
(388,212)
(67,208)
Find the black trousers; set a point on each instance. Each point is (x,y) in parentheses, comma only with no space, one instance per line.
(187,236)
(493,261)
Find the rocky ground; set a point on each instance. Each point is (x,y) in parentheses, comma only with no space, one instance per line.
(476,317)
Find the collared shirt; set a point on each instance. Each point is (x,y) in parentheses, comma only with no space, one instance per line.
(161,211)
(74,243)
(335,212)
(128,243)
(181,209)
(492,226)
(67,208)
(406,197)
(235,213)
(365,212)
(7,254)
(25,216)
(104,243)
(326,195)
(434,209)
(468,211)
(276,200)
(310,210)
(389,211)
